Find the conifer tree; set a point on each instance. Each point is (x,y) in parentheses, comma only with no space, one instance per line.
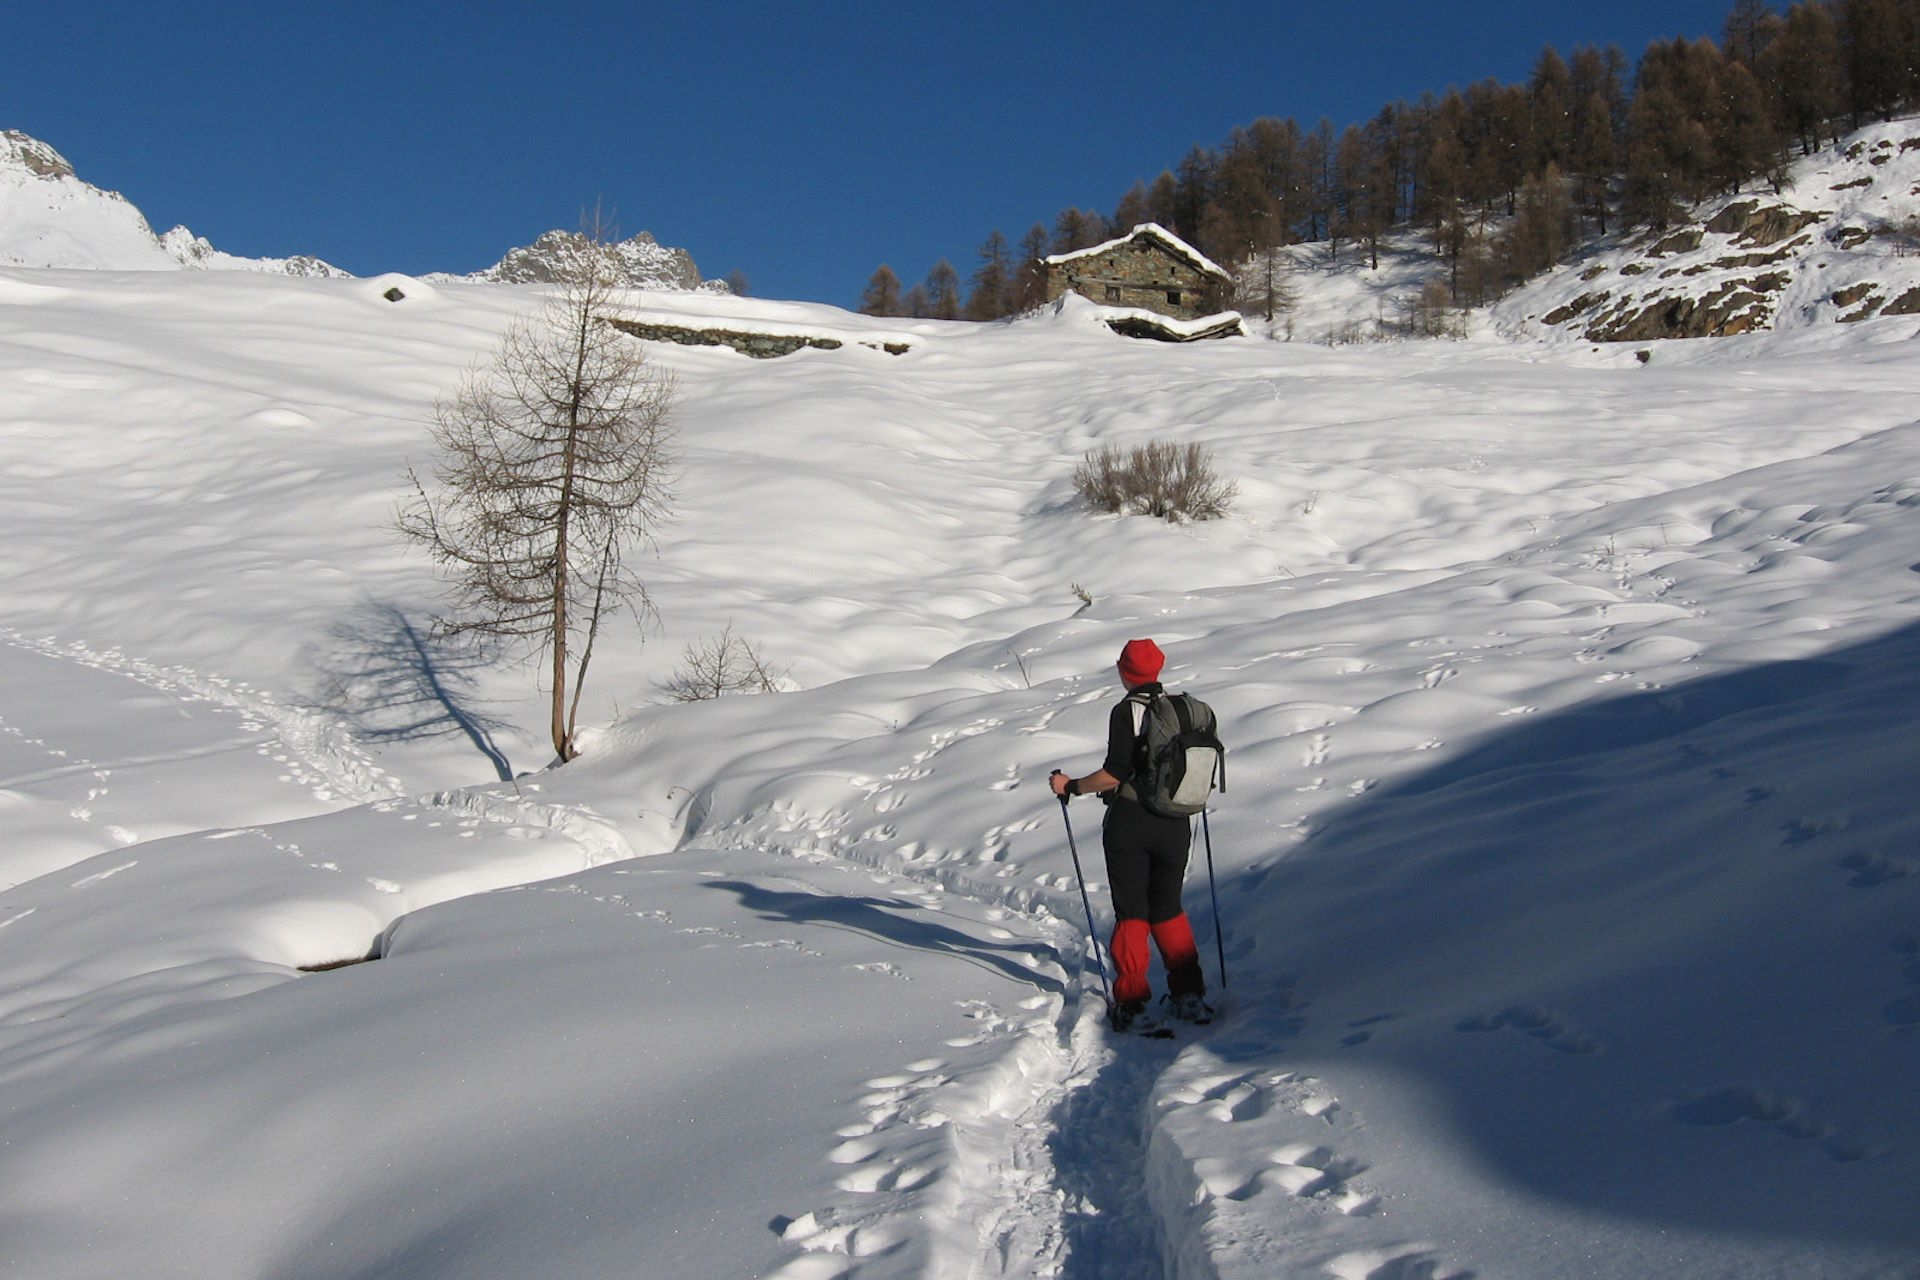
(1163,201)
(1134,208)
(1030,280)
(555,464)
(943,291)
(1594,159)
(1551,103)
(1750,27)
(990,291)
(1874,37)
(1194,187)
(882,295)
(1801,71)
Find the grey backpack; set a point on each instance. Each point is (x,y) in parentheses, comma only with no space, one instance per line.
(1178,757)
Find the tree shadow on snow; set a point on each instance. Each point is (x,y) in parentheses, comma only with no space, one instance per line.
(1656,957)
(392,680)
(896,923)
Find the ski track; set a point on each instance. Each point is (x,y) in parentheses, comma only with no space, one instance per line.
(317,752)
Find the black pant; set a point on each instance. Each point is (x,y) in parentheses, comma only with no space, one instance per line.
(1146,861)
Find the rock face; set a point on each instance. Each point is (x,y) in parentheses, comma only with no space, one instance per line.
(643,262)
(1755,226)
(1739,306)
(33,155)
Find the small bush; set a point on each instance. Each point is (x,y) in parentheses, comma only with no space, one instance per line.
(1430,315)
(715,668)
(1173,482)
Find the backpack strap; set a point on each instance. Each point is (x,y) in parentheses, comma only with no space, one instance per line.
(1137,701)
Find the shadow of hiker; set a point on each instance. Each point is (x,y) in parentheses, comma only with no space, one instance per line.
(393,681)
(892,922)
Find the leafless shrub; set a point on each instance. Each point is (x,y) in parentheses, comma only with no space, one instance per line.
(726,664)
(1905,235)
(1430,314)
(1171,481)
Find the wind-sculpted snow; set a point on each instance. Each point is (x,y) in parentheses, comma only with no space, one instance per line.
(1566,870)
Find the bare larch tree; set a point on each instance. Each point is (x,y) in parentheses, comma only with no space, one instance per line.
(555,466)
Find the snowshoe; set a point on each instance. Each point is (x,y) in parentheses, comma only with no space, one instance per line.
(1189,1007)
(1131,1018)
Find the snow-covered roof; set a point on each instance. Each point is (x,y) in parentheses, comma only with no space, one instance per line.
(1157,232)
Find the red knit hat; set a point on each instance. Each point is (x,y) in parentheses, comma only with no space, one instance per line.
(1140,663)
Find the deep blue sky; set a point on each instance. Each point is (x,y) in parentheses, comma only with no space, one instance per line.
(803,144)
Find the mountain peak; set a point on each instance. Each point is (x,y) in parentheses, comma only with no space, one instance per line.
(33,155)
(643,262)
(50,217)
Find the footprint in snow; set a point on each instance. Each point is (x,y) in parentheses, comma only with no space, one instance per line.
(1727,1107)
(1310,1170)
(1803,830)
(1905,1011)
(1538,1023)
(1870,870)
(1402,1262)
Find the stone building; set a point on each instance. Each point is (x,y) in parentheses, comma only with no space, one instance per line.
(1150,268)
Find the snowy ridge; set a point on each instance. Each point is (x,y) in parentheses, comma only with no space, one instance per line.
(49,217)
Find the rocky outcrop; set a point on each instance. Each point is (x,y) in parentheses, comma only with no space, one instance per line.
(33,155)
(198,254)
(1736,307)
(641,263)
(1753,226)
(1836,240)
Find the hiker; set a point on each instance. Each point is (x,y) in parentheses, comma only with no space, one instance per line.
(1146,858)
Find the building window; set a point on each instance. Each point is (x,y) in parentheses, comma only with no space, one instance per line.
(1113,293)
(1173,296)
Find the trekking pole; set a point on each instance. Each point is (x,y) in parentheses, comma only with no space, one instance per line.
(1093,939)
(1219,942)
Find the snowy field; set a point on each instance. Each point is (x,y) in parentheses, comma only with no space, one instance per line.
(1569,870)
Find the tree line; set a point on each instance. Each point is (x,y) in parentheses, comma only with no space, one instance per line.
(1502,178)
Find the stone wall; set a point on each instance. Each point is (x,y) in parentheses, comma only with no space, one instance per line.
(761,346)
(1140,272)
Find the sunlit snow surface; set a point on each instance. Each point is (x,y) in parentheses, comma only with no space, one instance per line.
(1569,865)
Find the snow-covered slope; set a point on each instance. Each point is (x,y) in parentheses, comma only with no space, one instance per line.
(1566,879)
(49,217)
(1840,242)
